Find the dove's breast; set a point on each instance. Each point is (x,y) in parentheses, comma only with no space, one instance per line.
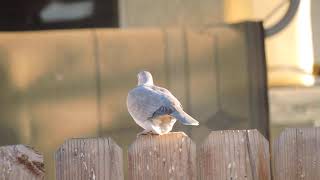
(142,102)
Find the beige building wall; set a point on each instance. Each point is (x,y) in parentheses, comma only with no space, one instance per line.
(244,10)
(238,10)
(141,13)
(315,15)
(290,52)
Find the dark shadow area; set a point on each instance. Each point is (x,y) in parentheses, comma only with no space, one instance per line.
(19,15)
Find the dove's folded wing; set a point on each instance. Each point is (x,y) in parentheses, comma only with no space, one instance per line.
(163,110)
(174,108)
(143,102)
(173,100)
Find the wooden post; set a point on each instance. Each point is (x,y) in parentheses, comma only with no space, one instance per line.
(234,155)
(296,154)
(20,162)
(89,159)
(162,157)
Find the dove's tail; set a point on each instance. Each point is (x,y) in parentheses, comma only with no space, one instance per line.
(184,118)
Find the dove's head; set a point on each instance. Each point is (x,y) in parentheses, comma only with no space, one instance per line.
(145,78)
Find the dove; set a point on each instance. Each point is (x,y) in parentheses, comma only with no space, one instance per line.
(154,108)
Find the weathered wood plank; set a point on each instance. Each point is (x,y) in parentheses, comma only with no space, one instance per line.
(20,162)
(93,159)
(296,154)
(165,157)
(234,155)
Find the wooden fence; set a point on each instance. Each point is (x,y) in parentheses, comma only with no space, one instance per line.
(224,155)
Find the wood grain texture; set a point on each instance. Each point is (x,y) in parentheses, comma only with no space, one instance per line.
(165,157)
(296,154)
(20,162)
(89,159)
(234,155)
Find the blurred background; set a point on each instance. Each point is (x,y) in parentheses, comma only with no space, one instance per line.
(66,66)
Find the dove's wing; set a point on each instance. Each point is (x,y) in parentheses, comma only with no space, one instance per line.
(163,110)
(143,102)
(169,103)
(174,108)
(170,97)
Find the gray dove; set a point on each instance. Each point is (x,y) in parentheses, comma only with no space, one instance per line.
(154,108)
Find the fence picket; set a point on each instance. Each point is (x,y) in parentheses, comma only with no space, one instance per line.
(92,158)
(296,154)
(20,162)
(241,154)
(232,154)
(165,157)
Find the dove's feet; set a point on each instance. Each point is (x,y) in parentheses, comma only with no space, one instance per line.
(146,132)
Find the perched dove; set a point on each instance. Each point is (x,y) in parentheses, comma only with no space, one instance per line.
(154,108)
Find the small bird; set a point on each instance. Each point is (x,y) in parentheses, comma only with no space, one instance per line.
(154,108)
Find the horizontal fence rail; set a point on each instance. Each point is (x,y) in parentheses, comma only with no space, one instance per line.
(230,154)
